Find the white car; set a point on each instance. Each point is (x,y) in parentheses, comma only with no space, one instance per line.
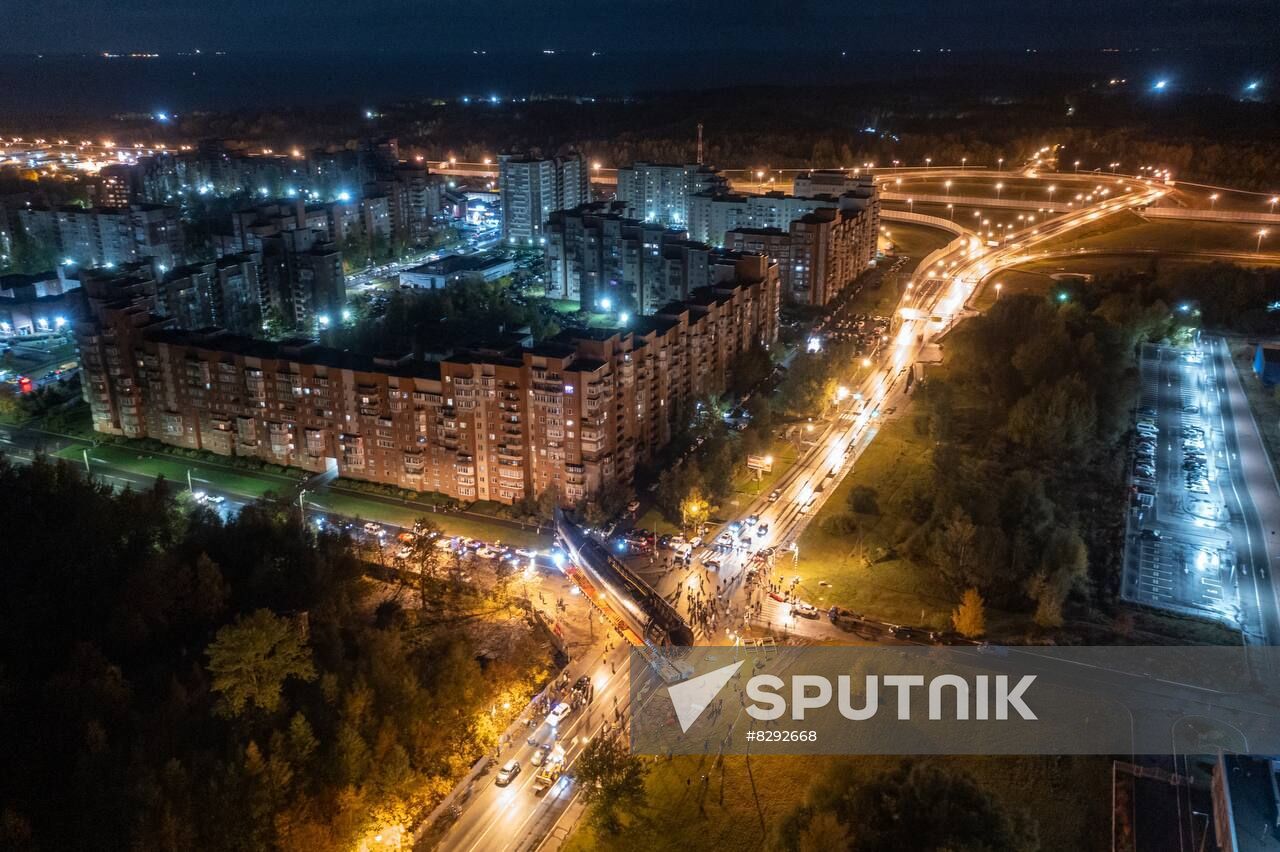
(217,499)
(486,553)
(373,529)
(199,496)
(557,714)
(508,773)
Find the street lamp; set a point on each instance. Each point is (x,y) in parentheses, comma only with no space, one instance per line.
(1000,164)
(1262,232)
(1077,165)
(1213,201)
(963,160)
(947,184)
(1274,199)
(998,288)
(928,161)
(999,188)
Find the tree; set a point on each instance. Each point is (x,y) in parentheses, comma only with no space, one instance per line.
(251,659)
(694,509)
(955,547)
(611,778)
(862,499)
(970,618)
(824,833)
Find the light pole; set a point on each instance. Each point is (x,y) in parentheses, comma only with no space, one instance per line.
(1077,165)
(302,506)
(1213,201)
(947,184)
(999,189)
(1274,199)
(998,286)
(190,489)
(1000,164)
(1262,232)
(963,160)
(87,471)
(928,161)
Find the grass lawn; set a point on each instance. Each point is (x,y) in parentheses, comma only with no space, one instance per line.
(175,470)
(859,573)
(915,240)
(1264,401)
(652,520)
(1126,230)
(1068,797)
(357,506)
(745,483)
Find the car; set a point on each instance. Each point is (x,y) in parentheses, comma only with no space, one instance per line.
(711,565)
(199,496)
(778,596)
(472,543)
(898,631)
(763,529)
(540,754)
(558,713)
(774,495)
(445,543)
(217,499)
(507,773)
(804,610)
(1149,534)
(487,553)
(404,553)
(525,552)
(724,538)
(405,537)
(373,529)
(752,520)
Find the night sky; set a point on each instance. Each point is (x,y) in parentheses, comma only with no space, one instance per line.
(424,26)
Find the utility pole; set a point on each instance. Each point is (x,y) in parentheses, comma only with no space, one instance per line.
(87,471)
(190,488)
(302,507)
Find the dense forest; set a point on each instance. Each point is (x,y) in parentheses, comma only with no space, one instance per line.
(173,681)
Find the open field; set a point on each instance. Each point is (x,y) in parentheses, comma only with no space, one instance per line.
(914,240)
(1069,798)
(1228,199)
(1129,231)
(859,570)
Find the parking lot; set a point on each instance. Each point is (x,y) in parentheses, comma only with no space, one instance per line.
(1178,554)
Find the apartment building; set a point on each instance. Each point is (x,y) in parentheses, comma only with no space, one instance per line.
(821,252)
(713,214)
(531,188)
(226,293)
(601,258)
(101,236)
(830,182)
(498,423)
(302,279)
(660,192)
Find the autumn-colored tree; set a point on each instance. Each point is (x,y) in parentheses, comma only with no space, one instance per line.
(970,617)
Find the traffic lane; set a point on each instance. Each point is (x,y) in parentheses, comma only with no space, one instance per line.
(497,817)
(1240,464)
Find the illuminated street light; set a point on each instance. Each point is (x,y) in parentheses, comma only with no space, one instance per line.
(999,189)
(1262,232)
(947,184)
(999,286)
(1213,201)
(1274,199)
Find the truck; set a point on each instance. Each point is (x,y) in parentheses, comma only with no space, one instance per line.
(550,771)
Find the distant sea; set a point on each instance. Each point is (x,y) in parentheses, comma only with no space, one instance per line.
(95,85)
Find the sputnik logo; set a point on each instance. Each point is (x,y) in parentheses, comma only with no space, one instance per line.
(693,696)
